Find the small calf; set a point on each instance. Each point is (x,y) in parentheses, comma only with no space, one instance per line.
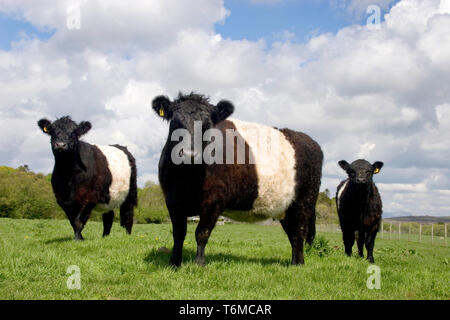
(359,206)
(89,177)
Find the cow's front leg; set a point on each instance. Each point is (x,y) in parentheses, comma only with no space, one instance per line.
(208,219)
(81,219)
(360,241)
(370,243)
(349,240)
(179,226)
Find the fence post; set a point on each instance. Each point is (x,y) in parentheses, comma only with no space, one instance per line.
(399,229)
(383,232)
(390,230)
(409,232)
(420,232)
(445,234)
(432,240)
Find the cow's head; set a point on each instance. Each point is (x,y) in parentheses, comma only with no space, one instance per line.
(361,171)
(64,134)
(186,110)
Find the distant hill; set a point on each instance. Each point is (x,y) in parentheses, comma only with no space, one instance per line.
(420,219)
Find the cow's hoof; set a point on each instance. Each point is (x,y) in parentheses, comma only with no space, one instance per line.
(174,263)
(200,262)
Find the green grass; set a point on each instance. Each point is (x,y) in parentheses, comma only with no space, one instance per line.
(243,262)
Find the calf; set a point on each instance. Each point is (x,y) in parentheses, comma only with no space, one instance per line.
(89,177)
(281,182)
(359,206)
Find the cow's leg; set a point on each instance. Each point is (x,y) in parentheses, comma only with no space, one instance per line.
(71,218)
(127,216)
(349,240)
(179,226)
(360,241)
(208,219)
(81,219)
(108,218)
(71,213)
(292,225)
(370,243)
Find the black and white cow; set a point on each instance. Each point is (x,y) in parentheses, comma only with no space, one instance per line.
(281,181)
(359,206)
(89,177)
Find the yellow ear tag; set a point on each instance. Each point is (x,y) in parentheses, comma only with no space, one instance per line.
(45,129)
(161,112)
(376,171)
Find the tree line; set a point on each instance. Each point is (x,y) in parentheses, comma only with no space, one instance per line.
(25,194)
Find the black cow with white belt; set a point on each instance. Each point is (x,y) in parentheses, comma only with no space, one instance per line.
(90,177)
(280,181)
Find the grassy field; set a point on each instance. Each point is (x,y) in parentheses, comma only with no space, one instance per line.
(243,262)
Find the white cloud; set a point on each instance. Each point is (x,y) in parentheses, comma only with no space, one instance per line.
(380,94)
(118,26)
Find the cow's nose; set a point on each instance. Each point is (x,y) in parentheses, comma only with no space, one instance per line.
(190,155)
(360,180)
(61,145)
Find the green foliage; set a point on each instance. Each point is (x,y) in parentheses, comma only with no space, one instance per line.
(326,211)
(28,195)
(151,205)
(24,194)
(320,247)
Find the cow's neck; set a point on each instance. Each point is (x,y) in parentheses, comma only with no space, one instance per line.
(65,164)
(360,195)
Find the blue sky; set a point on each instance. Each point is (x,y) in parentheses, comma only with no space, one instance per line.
(13,29)
(248,20)
(269,21)
(303,19)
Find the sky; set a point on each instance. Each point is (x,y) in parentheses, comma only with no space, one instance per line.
(361,90)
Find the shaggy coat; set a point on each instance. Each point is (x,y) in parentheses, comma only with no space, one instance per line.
(281,182)
(89,177)
(359,206)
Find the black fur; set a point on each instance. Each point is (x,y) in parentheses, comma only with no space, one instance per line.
(207,190)
(81,178)
(309,160)
(359,206)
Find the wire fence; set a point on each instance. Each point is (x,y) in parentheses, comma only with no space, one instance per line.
(434,234)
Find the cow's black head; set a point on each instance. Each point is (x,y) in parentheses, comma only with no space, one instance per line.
(184,111)
(64,134)
(361,171)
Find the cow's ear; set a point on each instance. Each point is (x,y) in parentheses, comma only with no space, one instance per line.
(162,106)
(222,111)
(344,165)
(83,128)
(377,165)
(45,125)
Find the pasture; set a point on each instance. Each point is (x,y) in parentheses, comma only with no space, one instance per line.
(242,262)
